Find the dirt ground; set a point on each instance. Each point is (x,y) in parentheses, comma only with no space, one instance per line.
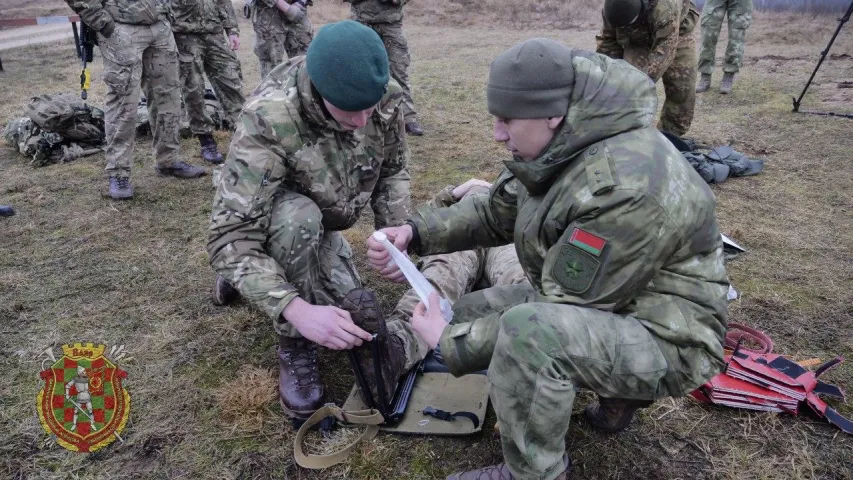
(77,267)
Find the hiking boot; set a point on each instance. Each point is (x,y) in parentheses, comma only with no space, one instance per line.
(7,211)
(300,388)
(209,150)
(501,472)
(414,128)
(181,170)
(704,83)
(726,84)
(364,310)
(223,292)
(120,188)
(613,415)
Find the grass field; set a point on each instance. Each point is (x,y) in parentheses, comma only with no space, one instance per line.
(77,267)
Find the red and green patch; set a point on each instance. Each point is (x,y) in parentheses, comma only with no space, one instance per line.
(587,242)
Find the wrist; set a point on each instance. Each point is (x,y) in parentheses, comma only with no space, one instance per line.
(293,311)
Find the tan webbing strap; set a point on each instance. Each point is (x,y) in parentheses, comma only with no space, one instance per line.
(370,417)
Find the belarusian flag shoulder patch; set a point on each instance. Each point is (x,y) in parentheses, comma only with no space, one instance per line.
(587,242)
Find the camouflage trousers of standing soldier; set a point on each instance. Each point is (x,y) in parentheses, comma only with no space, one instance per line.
(209,53)
(146,56)
(536,354)
(398,56)
(273,46)
(679,84)
(739,13)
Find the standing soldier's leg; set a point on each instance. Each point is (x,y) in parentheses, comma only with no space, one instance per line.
(191,53)
(269,48)
(740,17)
(162,86)
(711,21)
(122,53)
(398,56)
(679,82)
(299,36)
(226,77)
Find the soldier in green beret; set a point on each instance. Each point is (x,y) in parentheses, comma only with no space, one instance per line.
(321,138)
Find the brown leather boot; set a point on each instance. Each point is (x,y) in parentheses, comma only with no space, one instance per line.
(501,472)
(613,415)
(300,388)
(364,309)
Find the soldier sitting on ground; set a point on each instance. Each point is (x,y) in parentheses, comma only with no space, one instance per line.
(321,138)
(656,36)
(618,238)
(200,29)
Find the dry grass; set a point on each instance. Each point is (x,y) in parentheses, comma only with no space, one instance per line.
(78,267)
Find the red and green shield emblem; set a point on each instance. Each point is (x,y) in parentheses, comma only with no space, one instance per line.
(83,402)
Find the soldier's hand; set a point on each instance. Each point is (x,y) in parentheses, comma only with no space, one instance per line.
(234,40)
(328,326)
(461,190)
(380,258)
(429,323)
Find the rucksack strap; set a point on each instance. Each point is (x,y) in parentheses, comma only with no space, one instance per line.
(369,417)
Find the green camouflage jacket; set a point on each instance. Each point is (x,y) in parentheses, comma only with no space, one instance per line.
(378,11)
(267,18)
(286,141)
(102,14)
(657,31)
(609,216)
(204,16)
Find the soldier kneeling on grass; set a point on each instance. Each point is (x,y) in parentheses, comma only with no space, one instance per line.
(322,137)
(618,238)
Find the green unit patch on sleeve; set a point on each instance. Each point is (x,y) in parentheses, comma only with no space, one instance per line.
(575,269)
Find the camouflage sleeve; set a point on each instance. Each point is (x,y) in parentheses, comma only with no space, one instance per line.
(268,3)
(392,196)
(666,21)
(612,247)
(93,14)
(475,221)
(605,41)
(240,215)
(228,17)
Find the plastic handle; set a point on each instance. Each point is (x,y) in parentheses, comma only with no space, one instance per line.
(416,279)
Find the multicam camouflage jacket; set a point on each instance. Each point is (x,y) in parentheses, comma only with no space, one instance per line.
(286,141)
(377,11)
(204,16)
(267,17)
(103,14)
(609,216)
(658,31)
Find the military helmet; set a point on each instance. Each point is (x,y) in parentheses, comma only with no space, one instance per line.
(621,13)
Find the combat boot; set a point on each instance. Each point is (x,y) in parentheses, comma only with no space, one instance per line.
(501,472)
(726,83)
(613,415)
(704,83)
(120,188)
(7,211)
(180,170)
(365,312)
(209,150)
(223,292)
(300,388)
(414,128)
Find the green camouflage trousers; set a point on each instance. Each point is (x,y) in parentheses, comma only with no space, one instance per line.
(536,354)
(273,47)
(679,84)
(398,56)
(209,53)
(143,55)
(739,13)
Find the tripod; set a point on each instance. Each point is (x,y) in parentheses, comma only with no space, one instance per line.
(841,22)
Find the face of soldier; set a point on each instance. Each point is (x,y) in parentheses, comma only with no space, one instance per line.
(349,120)
(526,137)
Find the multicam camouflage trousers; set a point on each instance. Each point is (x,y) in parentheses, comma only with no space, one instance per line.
(276,43)
(679,84)
(536,354)
(209,53)
(398,56)
(143,55)
(739,13)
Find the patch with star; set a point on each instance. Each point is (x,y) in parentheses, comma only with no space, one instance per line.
(577,263)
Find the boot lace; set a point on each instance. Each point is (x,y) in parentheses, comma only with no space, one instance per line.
(303,363)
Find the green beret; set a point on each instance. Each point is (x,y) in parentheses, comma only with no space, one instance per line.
(348,65)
